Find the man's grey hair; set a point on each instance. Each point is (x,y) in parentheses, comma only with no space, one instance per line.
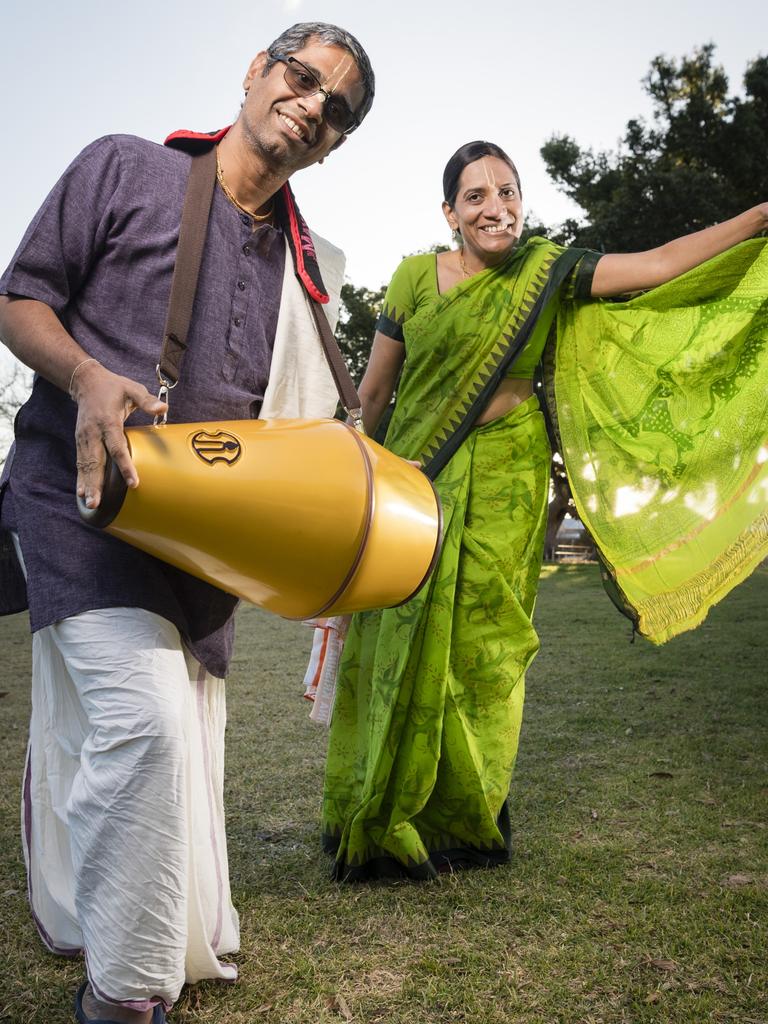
(297,36)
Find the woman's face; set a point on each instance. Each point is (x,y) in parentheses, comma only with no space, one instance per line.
(488,210)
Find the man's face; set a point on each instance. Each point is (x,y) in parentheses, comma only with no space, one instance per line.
(290,131)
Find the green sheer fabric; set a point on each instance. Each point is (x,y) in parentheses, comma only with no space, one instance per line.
(662,404)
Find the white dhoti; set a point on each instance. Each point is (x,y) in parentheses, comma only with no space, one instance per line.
(122,807)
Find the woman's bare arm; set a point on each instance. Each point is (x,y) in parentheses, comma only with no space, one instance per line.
(619,273)
(378,383)
(36,336)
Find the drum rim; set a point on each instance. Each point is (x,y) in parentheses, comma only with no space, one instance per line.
(435,553)
(113,492)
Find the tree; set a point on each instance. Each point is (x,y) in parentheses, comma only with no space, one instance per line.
(560,504)
(15,382)
(703,158)
(357,324)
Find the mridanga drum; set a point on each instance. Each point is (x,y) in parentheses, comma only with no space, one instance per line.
(300,517)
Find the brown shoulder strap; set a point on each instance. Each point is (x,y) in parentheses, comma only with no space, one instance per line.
(348,395)
(189,254)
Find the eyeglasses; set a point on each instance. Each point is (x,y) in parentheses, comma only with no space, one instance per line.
(304,82)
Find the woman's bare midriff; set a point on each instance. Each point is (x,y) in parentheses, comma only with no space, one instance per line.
(511,392)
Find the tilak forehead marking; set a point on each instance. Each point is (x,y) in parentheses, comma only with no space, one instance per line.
(342,70)
(338,73)
(487,170)
(489,175)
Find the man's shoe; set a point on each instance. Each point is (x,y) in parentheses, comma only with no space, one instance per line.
(158,1014)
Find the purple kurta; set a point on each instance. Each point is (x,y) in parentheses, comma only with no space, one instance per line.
(101,252)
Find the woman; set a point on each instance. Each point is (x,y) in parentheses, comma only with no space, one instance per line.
(430,695)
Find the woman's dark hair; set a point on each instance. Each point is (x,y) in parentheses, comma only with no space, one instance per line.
(467,154)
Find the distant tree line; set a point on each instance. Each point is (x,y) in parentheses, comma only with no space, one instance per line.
(702,159)
(15,384)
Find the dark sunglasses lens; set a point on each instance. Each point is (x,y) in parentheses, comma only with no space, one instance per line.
(338,116)
(300,80)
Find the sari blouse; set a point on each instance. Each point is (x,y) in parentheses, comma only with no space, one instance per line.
(414,286)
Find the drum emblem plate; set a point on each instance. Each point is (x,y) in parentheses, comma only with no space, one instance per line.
(216,446)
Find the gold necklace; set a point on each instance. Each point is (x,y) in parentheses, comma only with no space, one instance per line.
(462,264)
(230,196)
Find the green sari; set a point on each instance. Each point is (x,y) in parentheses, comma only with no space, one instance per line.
(429,697)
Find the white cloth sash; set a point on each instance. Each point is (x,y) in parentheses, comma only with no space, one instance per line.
(300,383)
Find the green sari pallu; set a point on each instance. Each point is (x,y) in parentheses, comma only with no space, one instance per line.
(429,697)
(662,403)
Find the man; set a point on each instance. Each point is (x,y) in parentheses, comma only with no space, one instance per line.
(122,800)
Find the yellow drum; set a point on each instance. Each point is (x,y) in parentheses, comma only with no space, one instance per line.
(301,517)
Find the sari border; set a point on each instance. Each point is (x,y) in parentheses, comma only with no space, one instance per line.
(667,615)
(390,328)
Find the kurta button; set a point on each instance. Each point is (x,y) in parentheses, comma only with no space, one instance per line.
(241,285)
(247,249)
(245,218)
(237,321)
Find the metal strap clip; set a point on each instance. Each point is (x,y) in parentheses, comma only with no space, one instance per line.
(356,419)
(163,395)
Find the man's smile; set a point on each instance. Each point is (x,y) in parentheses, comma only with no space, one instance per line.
(298,130)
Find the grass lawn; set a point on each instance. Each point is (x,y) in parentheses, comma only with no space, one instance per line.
(639,888)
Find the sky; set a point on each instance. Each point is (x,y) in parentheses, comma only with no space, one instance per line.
(447,72)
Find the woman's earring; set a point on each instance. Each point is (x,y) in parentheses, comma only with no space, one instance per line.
(456,236)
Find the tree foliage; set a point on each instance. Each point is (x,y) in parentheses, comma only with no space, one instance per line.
(357,323)
(702,158)
(360,308)
(15,383)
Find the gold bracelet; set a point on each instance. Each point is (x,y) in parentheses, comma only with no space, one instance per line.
(90,359)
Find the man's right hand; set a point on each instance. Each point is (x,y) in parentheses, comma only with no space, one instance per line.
(36,336)
(104,402)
